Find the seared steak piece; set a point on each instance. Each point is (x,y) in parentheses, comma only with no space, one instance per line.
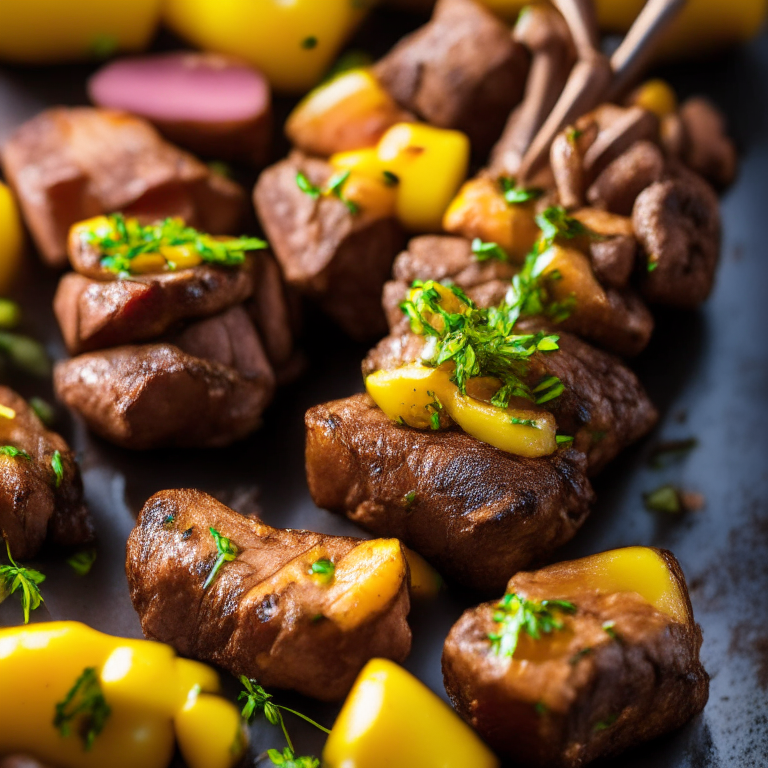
(677,222)
(476,513)
(94,314)
(603,407)
(70,164)
(265,615)
(35,503)
(338,258)
(616,319)
(158,395)
(462,70)
(622,670)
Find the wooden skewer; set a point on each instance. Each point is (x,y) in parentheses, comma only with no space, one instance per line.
(581,18)
(594,78)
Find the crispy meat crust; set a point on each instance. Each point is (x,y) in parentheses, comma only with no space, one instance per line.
(478,514)
(255,619)
(32,508)
(650,682)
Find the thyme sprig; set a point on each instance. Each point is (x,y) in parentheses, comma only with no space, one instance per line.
(15,577)
(479,342)
(122,240)
(516,614)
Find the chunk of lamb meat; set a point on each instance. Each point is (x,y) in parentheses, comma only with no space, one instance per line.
(677,222)
(265,615)
(338,258)
(35,504)
(70,164)
(623,671)
(476,513)
(615,319)
(164,394)
(462,70)
(603,407)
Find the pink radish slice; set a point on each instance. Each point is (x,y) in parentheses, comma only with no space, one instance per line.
(215,105)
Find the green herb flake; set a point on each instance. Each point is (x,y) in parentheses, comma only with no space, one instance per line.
(15,577)
(564,441)
(604,725)
(664,499)
(540,708)
(84,710)
(82,562)
(653,266)
(434,408)
(335,187)
(10,314)
(43,410)
(307,187)
(579,655)
(555,223)
(57,467)
(391,179)
(409,499)
(514,195)
(516,614)
(309,43)
(670,451)
(323,570)
(25,354)
(122,240)
(573,134)
(609,627)
(525,422)
(227,553)
(479,342)
(287,759)
(13,452)
(483,251)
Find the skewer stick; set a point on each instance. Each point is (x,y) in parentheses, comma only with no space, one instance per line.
(581,18)
(595,79)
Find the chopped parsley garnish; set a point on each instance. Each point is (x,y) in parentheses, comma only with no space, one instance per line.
(664,499)
(525,422)
(227,553)
(308,43)
(409,499)
(15,577)
(486,251)
(83,708)
(579,655)
(25,354)
(564,440)
(555,222)
(391,179)
(82,562)
(13,452)
(653,266)
(323,569)
(515,614)
(334,187)
(435,407)
(57,467)
(479,342)
(514,195)
(548,389)
(125,239)
(609,627)
(43,410)
(257,701)
(603,725)
(573,134)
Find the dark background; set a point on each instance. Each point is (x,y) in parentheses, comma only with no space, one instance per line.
(707,371)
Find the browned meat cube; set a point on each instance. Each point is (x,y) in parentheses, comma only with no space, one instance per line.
(476,513)
(265,614)
(36,501)
(339,258)
(70,164)
(207,388)
(615,663)
(462,70)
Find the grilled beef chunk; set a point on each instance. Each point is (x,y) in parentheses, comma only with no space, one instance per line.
(677,223)
(462,70)
(614,319)
(707,149)
(338,258)
(476,513)
(265,615)
(621,672)
(604,407)
(69,164)
(94,314)
(209,388)
(36,504)
(20,761)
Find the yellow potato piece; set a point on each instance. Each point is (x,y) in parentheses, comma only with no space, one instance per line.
(480,210)
(366,580)
(426,582)
(292,42)
(430,163)
(409,394)
(44,31)
(656,96)
(210,732)
(391,719)
(182,256)
(11,238)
